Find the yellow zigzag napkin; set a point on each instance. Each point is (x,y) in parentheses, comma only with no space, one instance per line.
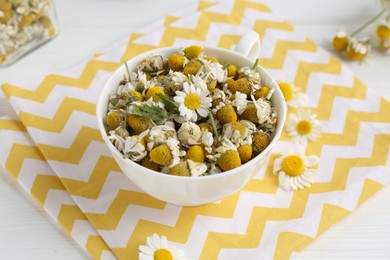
(260,222)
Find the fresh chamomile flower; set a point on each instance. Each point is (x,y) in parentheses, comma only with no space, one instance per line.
(291,94)
(357,50)
(193,101)
(189,134)
(160,249)
(303,127)
(295,171)
(340,40)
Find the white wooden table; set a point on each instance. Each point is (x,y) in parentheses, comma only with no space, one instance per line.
(89,25)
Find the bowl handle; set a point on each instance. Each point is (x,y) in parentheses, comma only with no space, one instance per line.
(249,45)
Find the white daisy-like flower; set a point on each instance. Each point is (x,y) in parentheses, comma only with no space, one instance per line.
(159,248)
(196,168)
(189,134)
(133,149)
(291,94)
(303,127)
(240,102)
(263,109)
(295,171)
(193,101)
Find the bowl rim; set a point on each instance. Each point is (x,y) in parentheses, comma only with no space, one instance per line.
(108,85)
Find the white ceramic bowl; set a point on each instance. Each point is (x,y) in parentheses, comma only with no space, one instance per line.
(194,191)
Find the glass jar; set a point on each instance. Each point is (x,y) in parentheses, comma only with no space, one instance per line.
(25,25)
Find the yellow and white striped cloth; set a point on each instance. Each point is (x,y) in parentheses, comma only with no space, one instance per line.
(55,151)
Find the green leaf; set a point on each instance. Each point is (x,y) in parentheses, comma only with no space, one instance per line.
(169,104)
(153,113)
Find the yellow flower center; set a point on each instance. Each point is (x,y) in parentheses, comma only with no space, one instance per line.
(304,127)
(293,165)
(286,90)
(162,254)
(192,101)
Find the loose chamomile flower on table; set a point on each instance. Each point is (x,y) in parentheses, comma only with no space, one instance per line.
(291,94)
(357,49)
(157,248)
(193,101)
(340,40)
(303,127)
(385,44)
(294,170)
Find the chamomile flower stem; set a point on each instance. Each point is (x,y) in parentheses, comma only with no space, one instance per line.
(368,23)
(128,71)
(213,125)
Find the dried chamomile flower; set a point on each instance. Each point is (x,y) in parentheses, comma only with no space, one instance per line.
(263,110)
(189,134)
(240,102)
(159,135)
(180,169)
(341,41)
(152,93)
(134,149)
(176,62)
(192,67)
(136,95)
(206,127)
(161,155)
(192,52)
(147,163)
(260,141)
(245,152)
(229,160)
(241,85)
(263,92)
(226,114)
(138,124)
(152,64)
(114,119)
(357,50)
(232,70)
(195,153)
